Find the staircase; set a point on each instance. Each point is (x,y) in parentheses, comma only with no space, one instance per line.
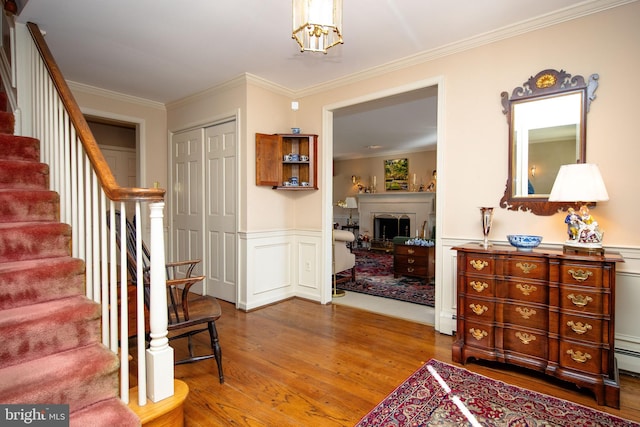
(50,351)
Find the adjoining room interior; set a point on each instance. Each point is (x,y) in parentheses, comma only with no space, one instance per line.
(365,135)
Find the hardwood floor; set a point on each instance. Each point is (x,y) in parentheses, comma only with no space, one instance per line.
(299,363)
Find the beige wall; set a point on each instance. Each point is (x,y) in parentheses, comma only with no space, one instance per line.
(471,154)
(421,163)
(474,138)
(473,141)
(151,119)
(259,108)
(113,135)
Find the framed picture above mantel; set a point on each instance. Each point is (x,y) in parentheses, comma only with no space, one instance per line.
(396,174)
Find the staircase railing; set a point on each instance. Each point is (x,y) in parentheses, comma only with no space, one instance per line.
(88,194)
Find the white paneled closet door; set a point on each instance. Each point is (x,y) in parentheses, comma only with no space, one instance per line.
(187,202)
(205,203)
(221,217)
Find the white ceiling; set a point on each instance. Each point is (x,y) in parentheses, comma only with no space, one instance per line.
(165,50)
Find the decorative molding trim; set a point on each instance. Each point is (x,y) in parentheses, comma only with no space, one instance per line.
(266,84)
(292,255)
(567,14)
(92,90)
(418,206)
(241,80)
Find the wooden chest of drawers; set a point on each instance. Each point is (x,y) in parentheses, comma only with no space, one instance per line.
(543,310)
(411,260)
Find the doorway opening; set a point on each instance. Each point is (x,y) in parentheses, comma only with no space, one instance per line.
(364,131)
(118,141)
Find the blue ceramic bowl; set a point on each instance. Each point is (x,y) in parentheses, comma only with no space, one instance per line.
(524,242)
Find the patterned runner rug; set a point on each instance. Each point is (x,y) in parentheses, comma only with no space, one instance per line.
(439,394)
(374,276)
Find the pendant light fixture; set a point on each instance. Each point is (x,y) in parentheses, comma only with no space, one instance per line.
(317,24)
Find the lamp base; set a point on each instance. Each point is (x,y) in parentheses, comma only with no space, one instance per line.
(577,248)
(337,292)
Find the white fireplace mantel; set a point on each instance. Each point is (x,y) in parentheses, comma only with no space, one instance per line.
(418,206)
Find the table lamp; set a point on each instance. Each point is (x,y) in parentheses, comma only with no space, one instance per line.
(580,183)
(351,204)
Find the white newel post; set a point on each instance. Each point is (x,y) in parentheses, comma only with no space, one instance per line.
(159,355)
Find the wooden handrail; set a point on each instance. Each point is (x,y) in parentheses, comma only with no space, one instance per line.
(109,185)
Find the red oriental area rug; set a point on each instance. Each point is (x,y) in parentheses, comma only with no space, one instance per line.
(374,276)
(439,394)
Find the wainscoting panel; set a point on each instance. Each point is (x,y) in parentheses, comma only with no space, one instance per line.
(265,264)
(277,265)
(627,336)
(446,290)
(627,307)
(309,265)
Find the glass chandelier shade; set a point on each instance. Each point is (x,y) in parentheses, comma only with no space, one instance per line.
(317,24)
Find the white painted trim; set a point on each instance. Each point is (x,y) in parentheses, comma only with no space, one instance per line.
(117,148)
(572,12)
(300,267)
(326,161)
(241,80)
(231,116)
(141,138)
(110,94)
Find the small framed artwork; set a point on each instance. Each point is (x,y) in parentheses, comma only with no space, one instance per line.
(396,174)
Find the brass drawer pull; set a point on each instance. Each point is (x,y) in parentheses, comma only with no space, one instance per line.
(579,356)
(478,333)
(478,264)
(579,327)
(580,275)
(411,260)
(479,286)
(478,309)
(411,251)
(525,337)
(526,267)
(526,289)
(410,269)
(526,312)
(580,300)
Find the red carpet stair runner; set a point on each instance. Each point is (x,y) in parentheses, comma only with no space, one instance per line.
(51,351)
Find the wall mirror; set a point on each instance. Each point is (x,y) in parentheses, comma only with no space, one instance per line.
(547,119)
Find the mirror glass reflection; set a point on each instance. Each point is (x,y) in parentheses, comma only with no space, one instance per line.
(546,135)
(547,119)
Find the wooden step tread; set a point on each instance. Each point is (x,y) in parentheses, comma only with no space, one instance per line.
(167,412)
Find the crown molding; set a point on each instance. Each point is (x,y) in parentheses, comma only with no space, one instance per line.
(266,84)
(580,10)
(117,96)
(241,80)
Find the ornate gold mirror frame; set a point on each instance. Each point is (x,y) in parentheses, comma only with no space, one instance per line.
(547,119)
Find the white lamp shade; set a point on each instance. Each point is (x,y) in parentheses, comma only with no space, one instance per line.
(351,203)
(580,182)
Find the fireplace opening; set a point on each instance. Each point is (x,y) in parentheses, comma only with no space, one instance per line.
(386,227)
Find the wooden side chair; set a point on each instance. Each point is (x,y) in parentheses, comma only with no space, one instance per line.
(188,313)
